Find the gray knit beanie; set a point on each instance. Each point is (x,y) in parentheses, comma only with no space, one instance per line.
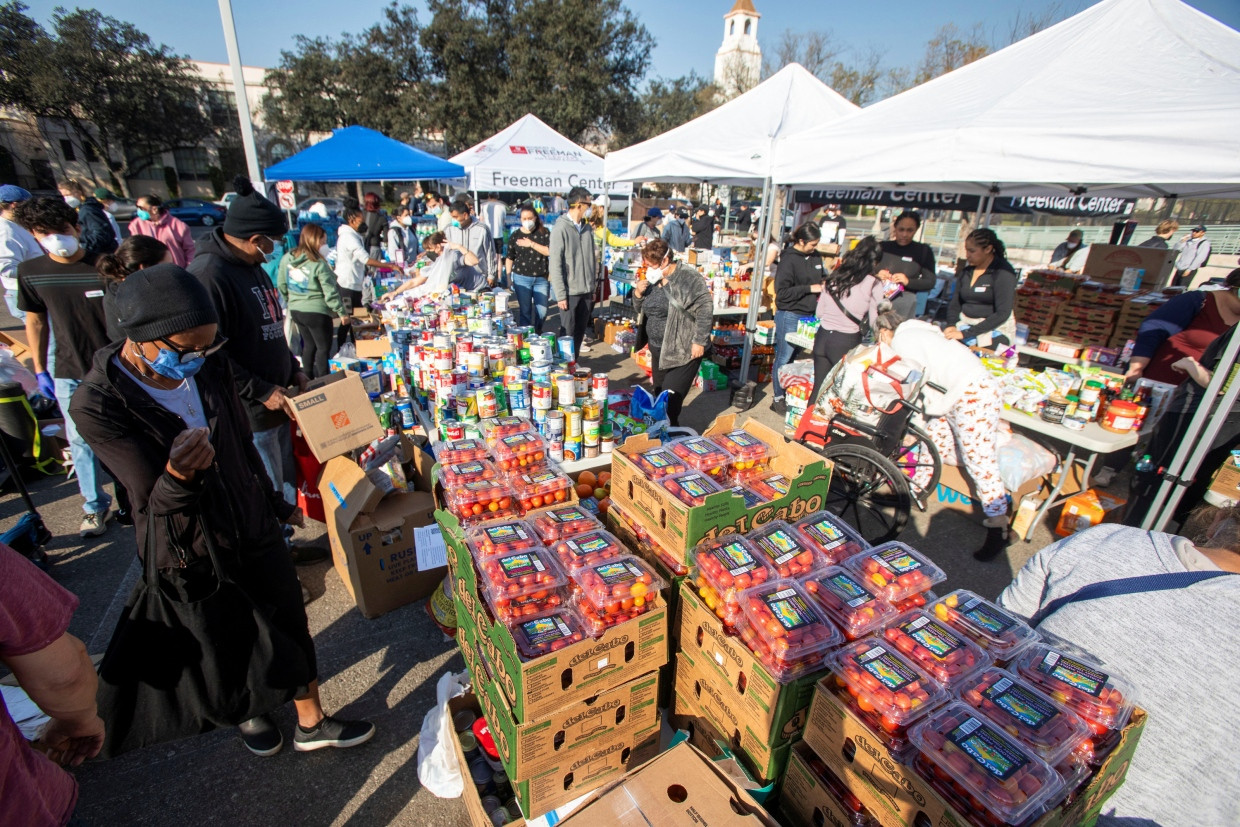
(161,301)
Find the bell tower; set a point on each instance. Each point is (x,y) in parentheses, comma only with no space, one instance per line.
(738,63)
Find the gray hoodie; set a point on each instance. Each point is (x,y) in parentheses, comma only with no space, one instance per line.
(571,266)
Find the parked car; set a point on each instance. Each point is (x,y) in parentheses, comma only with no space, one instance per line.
(226,199)
(333,205)
(124,209)
(196,211)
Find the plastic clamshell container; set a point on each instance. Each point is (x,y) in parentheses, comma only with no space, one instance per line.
(462,450)
(459,473)
(848,602)
(998,774)
(885,683)
(751,457)
(482,500)
(501,537)
(946,655)
(691,488)
(628,588)
(999,632)
(724,567)
(548,632)
(495,427)
(1105,700)
(520,451)
(675,562)
(770,486)
(1019,708)
(915,601)
(523,584)
(704,455)
(658,463)
(858,815)
(896,571)
(594,546)
(563,521)
(832,536)
(540,487)
(786,551)
(750,496)
(784,628)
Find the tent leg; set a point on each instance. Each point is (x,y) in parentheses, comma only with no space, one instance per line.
(758,277)
(990,203)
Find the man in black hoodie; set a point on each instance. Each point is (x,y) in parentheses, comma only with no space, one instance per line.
(96,231)
(229,263)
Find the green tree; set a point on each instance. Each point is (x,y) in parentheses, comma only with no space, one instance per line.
(666,104)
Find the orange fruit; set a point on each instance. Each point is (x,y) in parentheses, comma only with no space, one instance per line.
(603,505)
(603,479)
(587,478)
(584,491)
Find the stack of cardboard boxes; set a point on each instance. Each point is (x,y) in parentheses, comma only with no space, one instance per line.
(1132,313)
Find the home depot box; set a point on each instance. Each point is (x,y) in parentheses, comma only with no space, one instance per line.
(372,539)
(1107,262)
(680,788)
(679,527)
(574,673)
(805,798)
(898,797)
(335,415)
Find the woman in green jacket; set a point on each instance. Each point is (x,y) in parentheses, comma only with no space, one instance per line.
(308,286)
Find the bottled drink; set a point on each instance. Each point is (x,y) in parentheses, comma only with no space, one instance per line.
(1145,465)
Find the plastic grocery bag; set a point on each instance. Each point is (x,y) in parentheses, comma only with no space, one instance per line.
(437,766)
(11,370)
(1021,460)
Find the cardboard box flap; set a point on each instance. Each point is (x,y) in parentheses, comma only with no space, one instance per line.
(372,348)
(392,511)
(335,415)
(347,491)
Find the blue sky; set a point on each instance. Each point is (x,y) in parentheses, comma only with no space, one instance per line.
(687,32)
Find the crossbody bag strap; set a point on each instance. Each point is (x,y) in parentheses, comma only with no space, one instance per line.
(860,324)
(1126,585)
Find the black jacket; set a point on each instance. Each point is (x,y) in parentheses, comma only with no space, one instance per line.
(376,229)
(97,236)
(132,435)
(915,260)
(253,320)
(990,299)
(796,274)
(1157,242)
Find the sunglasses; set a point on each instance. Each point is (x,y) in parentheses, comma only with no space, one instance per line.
(184,356)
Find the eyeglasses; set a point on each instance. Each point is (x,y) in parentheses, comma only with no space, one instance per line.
(185,356)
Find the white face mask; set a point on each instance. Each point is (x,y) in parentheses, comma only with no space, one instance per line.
(407,220)
(655,275)
(73,202)
(528,226)
(435,210)
(58,244)
(324,250)
(110,206)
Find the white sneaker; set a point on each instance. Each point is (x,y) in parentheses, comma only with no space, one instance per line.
(585,347)
(94,524)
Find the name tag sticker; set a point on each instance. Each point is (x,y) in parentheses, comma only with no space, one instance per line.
(980,288)
(906,258)
(94,294)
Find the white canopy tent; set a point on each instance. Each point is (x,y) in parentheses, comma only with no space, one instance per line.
(1129,98)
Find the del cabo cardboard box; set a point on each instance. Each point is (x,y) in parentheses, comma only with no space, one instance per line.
(898,797)
(1107,263)
(335,415)
(574,673)
(805,799)
(679,527)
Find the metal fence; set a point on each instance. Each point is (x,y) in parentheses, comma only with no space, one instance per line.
(1224,240)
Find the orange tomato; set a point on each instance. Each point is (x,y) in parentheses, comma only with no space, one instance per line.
(585,490)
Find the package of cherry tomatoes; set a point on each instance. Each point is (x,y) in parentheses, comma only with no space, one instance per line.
(462,450)
(781,625)
(691,488)
(616,590)
(523,584)
(895,571)
(704,455)
(1050,730)
(482,500)
(459,473)
(1105,700)
(563,521)
(847,602)
(722,569)
(751,457)
(646,542)
(786,551)
(549,632)
(541,487)
(946,655)
(500,537)
(516,453)
(887,689)
(770,487)
(858,815)
(660,462)
(916,601)
(496,427)
(581,550)
(999,632)
(982,765)
(750,496)
(831,535)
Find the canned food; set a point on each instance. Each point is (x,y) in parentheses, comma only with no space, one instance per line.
(540,371)
(466,407)
(572,449)
(566,349)
(518,394)
(405,409)
(581,381)
(590,432)
(565,391)
(475,362)
(572,421)
(555,447)
(553,424)
(541,396)
(598,387)
(540,351)
(591,451)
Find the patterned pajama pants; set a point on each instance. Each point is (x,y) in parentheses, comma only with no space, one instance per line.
(969,432)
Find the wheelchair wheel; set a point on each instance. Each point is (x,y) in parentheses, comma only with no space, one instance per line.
(868,492)
(919,456)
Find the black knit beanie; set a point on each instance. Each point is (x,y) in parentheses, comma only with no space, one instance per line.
(161,301)
(251,214)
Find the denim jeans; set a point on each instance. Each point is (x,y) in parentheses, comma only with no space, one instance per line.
(85,465)
(785,323)
(275,446)
(532,296)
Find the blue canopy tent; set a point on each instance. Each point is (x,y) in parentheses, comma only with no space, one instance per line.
(356,153)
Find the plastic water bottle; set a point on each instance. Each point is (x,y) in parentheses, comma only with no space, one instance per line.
(1145,465)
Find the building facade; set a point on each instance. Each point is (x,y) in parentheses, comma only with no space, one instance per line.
(738,63)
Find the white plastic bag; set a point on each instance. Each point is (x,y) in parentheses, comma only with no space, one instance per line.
(437,767)
(11,370)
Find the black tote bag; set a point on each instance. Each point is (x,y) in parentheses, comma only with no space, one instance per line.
(187,660)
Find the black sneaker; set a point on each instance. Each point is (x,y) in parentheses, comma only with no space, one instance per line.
(307,555)
(779,406)
(261,736)
(333,733)
(124,517)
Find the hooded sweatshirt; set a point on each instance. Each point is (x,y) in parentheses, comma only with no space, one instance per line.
(571,265)
(309,286)
(252,319)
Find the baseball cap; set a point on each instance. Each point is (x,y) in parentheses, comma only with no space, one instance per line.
(654,212)
(1200,228)
(11,192)
(104,194)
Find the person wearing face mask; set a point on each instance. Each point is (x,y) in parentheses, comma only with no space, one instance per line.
(909,263)
(64,287)
(649,228)
(438,207)
(402,241)
(798,281)
(1066,251)
(474,236)
(16,245)
(571,266)
(161,406)
(152,220)
(1183,326)
(676,313)
(377,223)
(676,232)
(528,249)
(96,233)
(445,261)
(108,200)
(352,259)
(229,264)
(308,286)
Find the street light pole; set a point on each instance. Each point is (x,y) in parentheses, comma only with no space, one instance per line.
(243,102)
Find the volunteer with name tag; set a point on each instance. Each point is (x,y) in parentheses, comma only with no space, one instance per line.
(981,309)
(907,263)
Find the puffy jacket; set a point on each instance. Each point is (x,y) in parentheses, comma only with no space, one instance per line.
(309,286)
(796,274)
(97,235)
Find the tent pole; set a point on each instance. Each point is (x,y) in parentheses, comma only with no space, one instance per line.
(990,203)
(757,279)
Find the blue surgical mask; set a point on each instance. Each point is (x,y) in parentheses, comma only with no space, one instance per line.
(456,224)
(277,250)
(169,365)
(144,215)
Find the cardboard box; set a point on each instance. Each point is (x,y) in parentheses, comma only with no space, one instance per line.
(1225,484)
(680,788)
(1107,262)
(375,348)
(679,527)
(898,797)
(1088,508)
(16,341)
(574,673)
(805,799)
(335,415)
(957,493)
